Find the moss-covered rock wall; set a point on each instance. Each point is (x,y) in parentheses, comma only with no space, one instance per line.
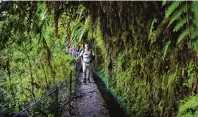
(137,57)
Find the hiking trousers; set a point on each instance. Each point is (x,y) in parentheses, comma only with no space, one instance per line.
(87,69)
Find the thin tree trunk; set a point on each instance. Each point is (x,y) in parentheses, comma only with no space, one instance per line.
(31,76)
(10,80)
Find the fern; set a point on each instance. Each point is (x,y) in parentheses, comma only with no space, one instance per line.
(81,13)
(188,16)
(151,31)
(195,46)
(78,29)
(191,75)
(187,105)
(85,28)
(172,8)
(166,48)
(171,80)
(77,33)
(163,2)
(183,35)
(194,36)
(180,24)
(177,14)
(194,9)
(194,33)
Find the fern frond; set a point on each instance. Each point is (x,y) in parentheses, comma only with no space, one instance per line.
(164,2)
(171,80)
(195,46)
(183,35)
(87,24)
(151,31)
(82,9)
(194,9)
(172,8)
(194,33)
(166,48)
(191,75)
(177,14)
(86,27)
(187,104)
(75,28)
(180,24)
(77,32)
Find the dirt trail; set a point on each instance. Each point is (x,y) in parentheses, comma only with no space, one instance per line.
(88,101)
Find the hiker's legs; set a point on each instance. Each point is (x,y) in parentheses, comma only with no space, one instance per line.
(84,71)
(90,70)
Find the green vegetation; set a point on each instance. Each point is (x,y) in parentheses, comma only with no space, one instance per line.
(146,52)
(149,62)
(32,59)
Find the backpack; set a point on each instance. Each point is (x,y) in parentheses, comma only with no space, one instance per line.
(92,58)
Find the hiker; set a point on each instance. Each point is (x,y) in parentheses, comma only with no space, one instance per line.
(67,49)
(87,57)
(77,50)
(74,51)
(78,62)
(71,50)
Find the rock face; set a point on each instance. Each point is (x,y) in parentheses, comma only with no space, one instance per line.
(88,101)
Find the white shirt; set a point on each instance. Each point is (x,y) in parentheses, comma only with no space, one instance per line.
(86,55)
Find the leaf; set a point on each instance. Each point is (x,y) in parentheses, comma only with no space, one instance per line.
(151,31)
(183,35)
(15,110)
(171,80)
(186,105)
(164,2)
(172,8)
(165,49)
(195,45)
(177,14)
(194,34)
(194,9)
(180,24)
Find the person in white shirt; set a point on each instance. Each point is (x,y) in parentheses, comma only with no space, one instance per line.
(87,56)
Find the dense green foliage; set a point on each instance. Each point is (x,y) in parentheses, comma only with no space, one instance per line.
(146,52)
(144,63)
(32,59)
(185,14)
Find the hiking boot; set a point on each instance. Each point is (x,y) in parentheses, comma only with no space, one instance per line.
(89,80)
(84,81)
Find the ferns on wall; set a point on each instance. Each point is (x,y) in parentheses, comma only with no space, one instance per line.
(188,107)
(148,74)
(183,15)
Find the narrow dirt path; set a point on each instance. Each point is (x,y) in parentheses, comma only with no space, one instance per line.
(88,101)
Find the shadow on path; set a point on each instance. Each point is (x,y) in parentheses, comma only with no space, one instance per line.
(112,105)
